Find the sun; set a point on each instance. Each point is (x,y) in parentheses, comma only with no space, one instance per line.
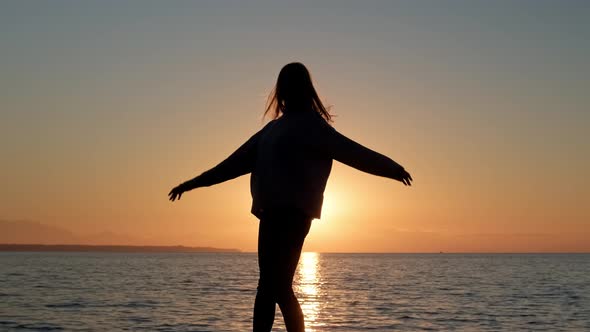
(336,203)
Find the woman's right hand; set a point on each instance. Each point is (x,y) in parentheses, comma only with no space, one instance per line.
(405,178)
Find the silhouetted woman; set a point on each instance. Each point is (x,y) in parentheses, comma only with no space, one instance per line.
(290,160)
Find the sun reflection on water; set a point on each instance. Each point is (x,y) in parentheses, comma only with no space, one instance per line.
(309,288)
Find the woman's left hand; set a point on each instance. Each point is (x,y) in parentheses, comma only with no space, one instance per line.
(176,192)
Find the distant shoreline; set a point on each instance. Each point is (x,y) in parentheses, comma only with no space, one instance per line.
(108,248)
(8,247)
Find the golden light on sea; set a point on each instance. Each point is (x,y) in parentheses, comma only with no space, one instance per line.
(309,288)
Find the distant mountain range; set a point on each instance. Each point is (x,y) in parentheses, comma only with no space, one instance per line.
(33,236)
(24,231)
(112,248)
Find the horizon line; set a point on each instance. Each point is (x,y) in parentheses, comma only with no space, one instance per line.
(208,249)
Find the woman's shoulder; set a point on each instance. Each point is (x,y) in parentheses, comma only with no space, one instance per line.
(316,127)
(314,118)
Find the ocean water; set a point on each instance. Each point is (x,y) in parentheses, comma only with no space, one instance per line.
(338,292)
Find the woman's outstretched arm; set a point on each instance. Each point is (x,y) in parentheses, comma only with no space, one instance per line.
(364,159)
(237,164)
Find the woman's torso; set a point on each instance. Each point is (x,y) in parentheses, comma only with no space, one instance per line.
(290,172)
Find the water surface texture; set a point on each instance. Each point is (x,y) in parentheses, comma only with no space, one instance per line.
(338,292)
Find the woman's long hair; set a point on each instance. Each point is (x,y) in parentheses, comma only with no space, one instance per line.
(294,92)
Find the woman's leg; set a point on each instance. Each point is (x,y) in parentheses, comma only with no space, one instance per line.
(265,303)
(280,240)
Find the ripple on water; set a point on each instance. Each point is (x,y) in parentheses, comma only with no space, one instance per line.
(67,305)
(38,327)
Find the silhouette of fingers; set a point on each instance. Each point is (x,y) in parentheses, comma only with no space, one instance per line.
(406,180)
(173,193)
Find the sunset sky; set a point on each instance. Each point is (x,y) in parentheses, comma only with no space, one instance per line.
(106,105)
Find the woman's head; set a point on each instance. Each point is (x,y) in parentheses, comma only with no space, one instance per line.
(294,92)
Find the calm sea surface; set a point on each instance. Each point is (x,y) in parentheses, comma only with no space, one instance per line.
(338,292)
